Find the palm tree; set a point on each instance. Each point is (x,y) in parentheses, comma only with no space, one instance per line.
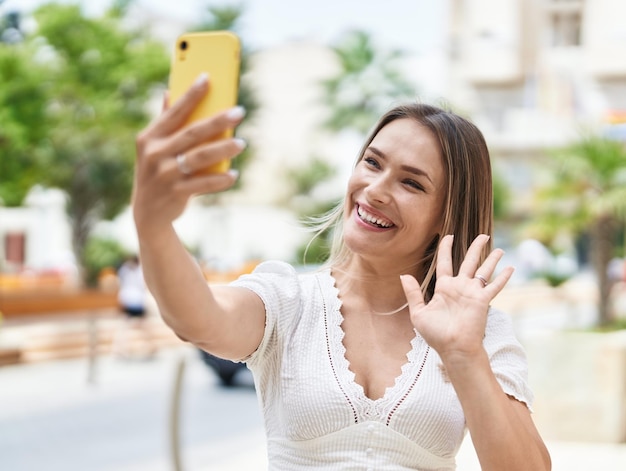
(588,197)
(369,80)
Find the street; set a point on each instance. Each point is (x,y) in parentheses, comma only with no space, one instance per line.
(51,419)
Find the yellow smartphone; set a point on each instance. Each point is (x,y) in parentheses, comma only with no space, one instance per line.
(217,53)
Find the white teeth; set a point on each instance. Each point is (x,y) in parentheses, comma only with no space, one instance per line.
(369,218)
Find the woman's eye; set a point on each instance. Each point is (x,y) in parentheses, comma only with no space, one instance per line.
(414,184)
(371,161)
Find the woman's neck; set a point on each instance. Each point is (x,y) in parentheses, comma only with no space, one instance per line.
(370,288)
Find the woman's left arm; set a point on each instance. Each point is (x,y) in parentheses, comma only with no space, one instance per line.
(501,427)
(453,322)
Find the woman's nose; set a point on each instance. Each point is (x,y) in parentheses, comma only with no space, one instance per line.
(378,189)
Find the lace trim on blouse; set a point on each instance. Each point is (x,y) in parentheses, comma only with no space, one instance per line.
(364,408)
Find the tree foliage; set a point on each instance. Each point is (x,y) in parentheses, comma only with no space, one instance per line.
(587,196)
(101,76)
(73,97)
(23,122)
(368,82)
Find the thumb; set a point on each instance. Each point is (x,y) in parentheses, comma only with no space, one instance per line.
(412,291)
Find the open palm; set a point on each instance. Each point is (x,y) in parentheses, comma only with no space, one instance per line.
(454,320)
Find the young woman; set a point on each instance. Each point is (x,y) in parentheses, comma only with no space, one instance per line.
(384,358)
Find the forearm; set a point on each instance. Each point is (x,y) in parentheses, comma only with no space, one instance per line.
(176,281)
(501,428)
(225,320)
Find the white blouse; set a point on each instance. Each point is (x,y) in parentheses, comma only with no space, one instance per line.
(318,417)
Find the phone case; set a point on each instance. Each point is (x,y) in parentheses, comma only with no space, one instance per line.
(218,54)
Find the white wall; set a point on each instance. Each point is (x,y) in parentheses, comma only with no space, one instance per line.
(43,221)
(225,235)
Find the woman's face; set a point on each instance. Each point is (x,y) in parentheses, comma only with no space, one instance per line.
(395,198)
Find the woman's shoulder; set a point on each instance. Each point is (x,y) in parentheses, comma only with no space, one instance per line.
(277,267)
(283,276)
(303,273)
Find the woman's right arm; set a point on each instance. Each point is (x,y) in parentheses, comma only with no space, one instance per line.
(226,321)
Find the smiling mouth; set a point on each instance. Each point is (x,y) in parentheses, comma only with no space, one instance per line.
(373,220)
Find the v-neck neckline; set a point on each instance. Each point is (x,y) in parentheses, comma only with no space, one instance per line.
(367,408)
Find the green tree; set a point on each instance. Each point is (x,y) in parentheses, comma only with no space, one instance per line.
(95,77)
(101,253)
(22,117)
(587,195)
(368,82)
(24,123)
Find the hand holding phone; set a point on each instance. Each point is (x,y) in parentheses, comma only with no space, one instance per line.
(217,53)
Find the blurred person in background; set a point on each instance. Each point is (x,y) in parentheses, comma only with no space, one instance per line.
(386,356)
(134,338)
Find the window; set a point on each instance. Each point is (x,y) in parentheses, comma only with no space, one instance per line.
(564,22)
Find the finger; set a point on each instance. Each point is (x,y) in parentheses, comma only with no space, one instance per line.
(211,154)
(177,114)
(412,291)
(203,184)
(499,282)
(473,256)
(444,256)
(203,131)
(488,267)
(172,118)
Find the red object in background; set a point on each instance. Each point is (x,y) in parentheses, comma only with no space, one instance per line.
(15,248)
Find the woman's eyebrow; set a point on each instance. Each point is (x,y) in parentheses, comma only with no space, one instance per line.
(406,168)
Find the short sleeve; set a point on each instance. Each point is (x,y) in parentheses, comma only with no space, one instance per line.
(276,283)
(507,357)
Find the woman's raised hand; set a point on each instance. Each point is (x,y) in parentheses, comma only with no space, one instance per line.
(170,156)
(454,320)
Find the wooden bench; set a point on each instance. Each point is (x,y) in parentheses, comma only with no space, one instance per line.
(16,303)
(53,323)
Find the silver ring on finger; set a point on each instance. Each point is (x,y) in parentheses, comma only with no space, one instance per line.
(482,279)
(181,162)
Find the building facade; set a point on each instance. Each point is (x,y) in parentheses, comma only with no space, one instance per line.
(534,74)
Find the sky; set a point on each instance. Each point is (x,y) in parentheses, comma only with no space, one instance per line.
(415,26)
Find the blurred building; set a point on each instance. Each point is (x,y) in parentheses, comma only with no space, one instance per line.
(533,74)
(36,235)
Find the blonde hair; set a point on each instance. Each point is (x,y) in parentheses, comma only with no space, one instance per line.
(468,209)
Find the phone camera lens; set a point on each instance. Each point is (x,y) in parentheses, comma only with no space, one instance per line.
(183,45)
